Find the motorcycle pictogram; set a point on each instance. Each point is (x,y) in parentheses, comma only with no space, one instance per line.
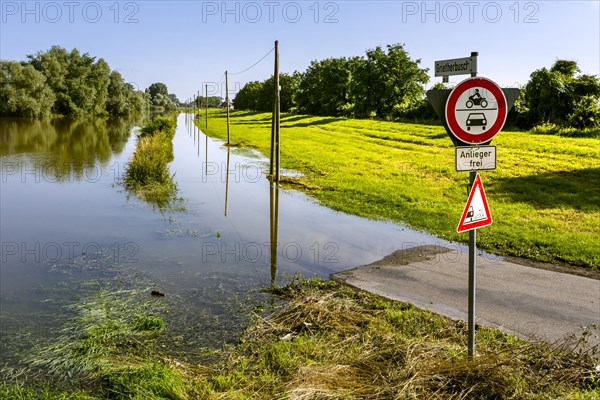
(477,100)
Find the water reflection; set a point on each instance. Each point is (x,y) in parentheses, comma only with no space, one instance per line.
(64,149)
(207,263)
(274,227)
(227,179)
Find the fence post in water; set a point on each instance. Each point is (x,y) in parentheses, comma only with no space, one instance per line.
(227,106)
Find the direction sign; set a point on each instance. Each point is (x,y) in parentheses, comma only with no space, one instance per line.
(474,158)
(477,212)
(476,110)
(456,66)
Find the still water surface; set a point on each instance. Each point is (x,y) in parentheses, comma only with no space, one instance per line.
(65,220)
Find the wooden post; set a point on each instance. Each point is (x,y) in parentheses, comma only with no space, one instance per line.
(273,119)
(277,112)
(192,118)
(227,107)
(206,94)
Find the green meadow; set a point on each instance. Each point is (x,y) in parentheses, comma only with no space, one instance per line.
(544,196)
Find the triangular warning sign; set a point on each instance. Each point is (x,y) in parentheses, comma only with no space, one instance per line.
(477,212)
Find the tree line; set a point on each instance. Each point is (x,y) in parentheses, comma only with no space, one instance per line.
(387,84)
(69,83)
(383,84)
(559,96)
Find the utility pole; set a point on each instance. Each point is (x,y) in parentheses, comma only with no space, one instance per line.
(206,100)
(277,113)
(273,119)
(227,107)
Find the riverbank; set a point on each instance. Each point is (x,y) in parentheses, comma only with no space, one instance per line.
(317,339)
(544,196)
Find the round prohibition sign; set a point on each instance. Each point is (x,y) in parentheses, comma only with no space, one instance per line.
(476,110)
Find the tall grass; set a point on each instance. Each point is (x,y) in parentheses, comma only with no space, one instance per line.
(147,172)
(331,342)
(322,341)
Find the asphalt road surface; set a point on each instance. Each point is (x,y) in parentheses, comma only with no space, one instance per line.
(529,302)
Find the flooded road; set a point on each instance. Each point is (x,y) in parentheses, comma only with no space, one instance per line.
(66,221)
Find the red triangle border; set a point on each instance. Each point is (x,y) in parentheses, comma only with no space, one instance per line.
(462,227)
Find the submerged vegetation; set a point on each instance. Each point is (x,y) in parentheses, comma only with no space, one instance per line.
(544,196)
(321,341)
(147,173)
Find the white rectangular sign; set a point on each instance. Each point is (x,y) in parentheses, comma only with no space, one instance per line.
(455,66)
(475,158)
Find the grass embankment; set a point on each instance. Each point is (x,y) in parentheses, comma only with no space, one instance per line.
(147,173)
(544,196)
(324,341)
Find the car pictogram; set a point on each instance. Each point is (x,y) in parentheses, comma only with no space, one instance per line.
(476,119)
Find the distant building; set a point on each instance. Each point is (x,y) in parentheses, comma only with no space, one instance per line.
(224,104)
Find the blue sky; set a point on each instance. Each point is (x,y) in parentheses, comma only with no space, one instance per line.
(188,43)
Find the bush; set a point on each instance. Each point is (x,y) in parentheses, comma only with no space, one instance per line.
(566,131)
(586,113)
(158,124)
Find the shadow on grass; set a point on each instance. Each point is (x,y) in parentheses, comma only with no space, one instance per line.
(245,113)
(286,119)
(439,136)
(323,121)
(579,190)
(253,122)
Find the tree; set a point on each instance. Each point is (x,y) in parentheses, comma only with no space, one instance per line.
(289,87)
(259,96)
(325,87)
(158,88)
(160,97)
(137,100)
(99,79)
(560,97)
(79,82)
(247,97)
(174,99)
(213,102)
(24,91)
(74,84)
(388,83)
(118,95)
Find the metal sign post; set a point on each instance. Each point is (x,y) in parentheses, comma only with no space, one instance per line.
(472,280)
(473,113)
(472,250)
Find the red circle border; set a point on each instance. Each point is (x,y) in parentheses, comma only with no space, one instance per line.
(453,125)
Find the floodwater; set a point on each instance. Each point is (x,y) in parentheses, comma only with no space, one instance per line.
(66,220)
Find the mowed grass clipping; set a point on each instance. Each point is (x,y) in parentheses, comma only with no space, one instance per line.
(544,196)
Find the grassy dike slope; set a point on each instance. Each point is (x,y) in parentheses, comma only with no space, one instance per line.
(544,196)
